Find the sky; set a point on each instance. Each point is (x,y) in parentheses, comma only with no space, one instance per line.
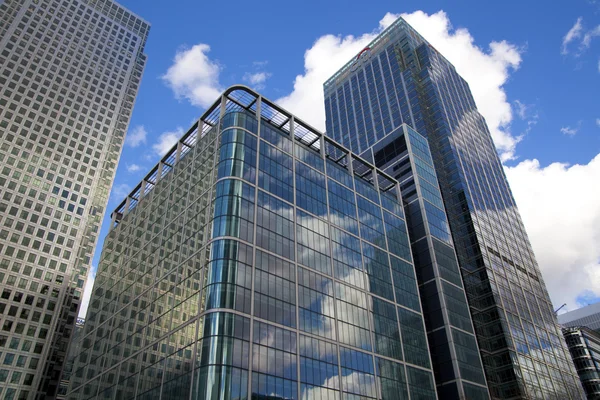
(534,72)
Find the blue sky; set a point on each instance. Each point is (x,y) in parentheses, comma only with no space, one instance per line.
(535,74)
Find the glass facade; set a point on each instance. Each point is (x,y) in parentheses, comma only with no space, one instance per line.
(584,346)
(69,74)
(400,78)
(258,260)
(405,155)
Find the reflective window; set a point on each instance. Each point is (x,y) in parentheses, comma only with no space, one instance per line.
(358,375)
(315,304)
(405,284)
(310,190)
(240,119)
(229,274)
(234,210)
(275,225)
(275,172)
(237,155)
(309,157)
(392,379)
(275,137)
(377,266)
(274,363)
(275,289)
(347,259)
(414,342)
(313,242)
(353,317)
(319,375)
(342,207)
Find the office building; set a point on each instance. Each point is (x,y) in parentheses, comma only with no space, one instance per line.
(259,259)
(588,316)
(69,74)
(399,78)
(405,154)
(584,346)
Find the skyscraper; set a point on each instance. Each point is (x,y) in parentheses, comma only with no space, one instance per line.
(259,259)
(400,78)
(457,365)
(69,74)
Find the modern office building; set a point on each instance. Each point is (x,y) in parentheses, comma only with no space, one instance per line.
(398,79)
(584,345)
(588,316)
(405,154)
(258,260)
(69,74)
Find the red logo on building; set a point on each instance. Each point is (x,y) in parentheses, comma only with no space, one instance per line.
(361,58)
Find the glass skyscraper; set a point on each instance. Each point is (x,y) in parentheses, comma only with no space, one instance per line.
(258,260)
(459,374)
(69,74)
(401,79)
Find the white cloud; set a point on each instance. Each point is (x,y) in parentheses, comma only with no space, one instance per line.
(578,32)
(87,293)
(485,71)
(119,192)
(574,33)
(328,54)
(587,38)
(560,206)
(194,76)
(527,113)
(260,64)
(257,79)
(136,136)
(598,122)
(521,109)
(567,130)
(133,167)
(167,140)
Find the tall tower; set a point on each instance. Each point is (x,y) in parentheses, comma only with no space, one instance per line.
(400,78)
(69,74)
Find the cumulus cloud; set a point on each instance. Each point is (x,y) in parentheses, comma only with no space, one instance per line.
(87,293)
(328,54)
(167,140)
(136,136)
(256,79)
(560,207)
(486,71)
(133,167)
(194,76)
(572,34)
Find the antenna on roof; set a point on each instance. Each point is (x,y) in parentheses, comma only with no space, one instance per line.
(559,308)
